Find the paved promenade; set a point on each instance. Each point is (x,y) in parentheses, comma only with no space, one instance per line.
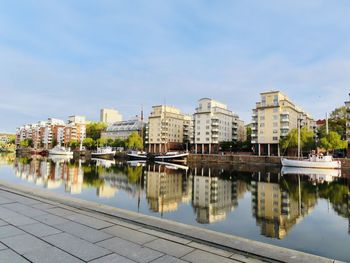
(36,226)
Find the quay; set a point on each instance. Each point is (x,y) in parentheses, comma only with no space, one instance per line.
(41,226)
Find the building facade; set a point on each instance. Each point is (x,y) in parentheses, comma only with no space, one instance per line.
(214,123)
(167,129)
(110,116)
(46,134)
(273,118)
(122,129)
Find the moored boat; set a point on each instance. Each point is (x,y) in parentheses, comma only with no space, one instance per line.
(137,155)
(60,150)
(104,152)
(313,161)
(172,156)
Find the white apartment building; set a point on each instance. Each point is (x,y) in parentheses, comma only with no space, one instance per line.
(167,129)
(273,118)
(213,123)
(110,116)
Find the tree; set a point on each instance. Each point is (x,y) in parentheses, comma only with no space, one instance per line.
(26,143)
(134,141)
(89,143)
(118,143)
(332,141)
(101,142)
(94,129)
(74,144)
(307,141)
(336,123)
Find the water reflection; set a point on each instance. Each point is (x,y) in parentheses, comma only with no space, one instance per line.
(279,200)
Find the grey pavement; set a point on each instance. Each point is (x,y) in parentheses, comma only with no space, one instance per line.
(35,231)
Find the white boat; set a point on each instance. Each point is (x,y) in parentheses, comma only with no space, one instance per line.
(60,150)
(314,161)
(104,152)
(171,156)
(137,155)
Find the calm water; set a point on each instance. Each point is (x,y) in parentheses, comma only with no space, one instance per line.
(305,212)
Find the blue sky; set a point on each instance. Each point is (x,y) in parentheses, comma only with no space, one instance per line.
(59,58)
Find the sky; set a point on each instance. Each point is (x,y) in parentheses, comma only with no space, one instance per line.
(62,58)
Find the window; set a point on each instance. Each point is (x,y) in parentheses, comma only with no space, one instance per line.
(275,110)
(275,138)
(262,118)
(262,124)
(275,124)
(275,117)
(198,133)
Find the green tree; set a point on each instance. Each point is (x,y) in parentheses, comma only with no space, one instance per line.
(26,143)
(94,129)
(101,142)
(118,143)
(89,143)
(336,123)
(134,141)
(332,141)
(307,141)
(74,144)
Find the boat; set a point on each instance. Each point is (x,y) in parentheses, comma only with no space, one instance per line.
(319,161)
(104,152)
(60,150)
(137,155)
(172,156)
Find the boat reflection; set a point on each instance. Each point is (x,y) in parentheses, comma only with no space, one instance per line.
(315,175)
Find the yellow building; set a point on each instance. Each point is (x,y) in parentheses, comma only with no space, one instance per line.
(273,118)
(167,129)
(110,116)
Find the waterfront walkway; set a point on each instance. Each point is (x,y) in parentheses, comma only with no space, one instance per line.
(37,226)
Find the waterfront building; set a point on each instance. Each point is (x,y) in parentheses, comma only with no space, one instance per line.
(122,129)
(110,116)
(347,105)
(167,129)
(53,131)
(213,123)
(273,118)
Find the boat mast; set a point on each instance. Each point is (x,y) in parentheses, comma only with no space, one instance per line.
(299,124)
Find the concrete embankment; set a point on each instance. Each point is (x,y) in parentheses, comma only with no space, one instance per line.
(246,159)
(85,230)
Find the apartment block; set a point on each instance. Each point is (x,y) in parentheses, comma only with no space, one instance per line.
(274,116)
(122,129)
(53,131)
(214,123)
(110,116)
(167,129)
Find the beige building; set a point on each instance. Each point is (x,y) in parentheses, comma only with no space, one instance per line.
(167,129)
(110,116)
(274,116)
(213,123)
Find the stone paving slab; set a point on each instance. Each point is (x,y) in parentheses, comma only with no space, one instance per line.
(130,250)
(3,223)
(52,255)
(24,243)
(24,209)
(198,256)
(20,220)
(2,246)
(169,247)
(40,229)
(169,259)
(82,231)
(9,231)
(214,250)
(11,257)
(51,220)
(76,246)
(129,234)
(113,258)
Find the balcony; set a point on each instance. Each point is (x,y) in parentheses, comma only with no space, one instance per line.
(254,128)
(215,135)
(215,123)
(285,119)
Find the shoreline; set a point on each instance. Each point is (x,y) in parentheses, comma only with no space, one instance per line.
(234,244)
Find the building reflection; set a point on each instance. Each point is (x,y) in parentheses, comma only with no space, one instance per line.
(213,197)
(51,173)
(165,188)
